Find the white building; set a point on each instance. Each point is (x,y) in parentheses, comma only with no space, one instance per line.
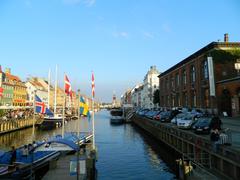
(136,96)
(33,85)
(150,85)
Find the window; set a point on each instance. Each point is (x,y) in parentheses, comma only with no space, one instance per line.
(184,77)
(193,99)
(177,79)
(205,69)
(193,74)
(172,82)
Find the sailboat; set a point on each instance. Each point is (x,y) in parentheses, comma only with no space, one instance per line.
(51,121)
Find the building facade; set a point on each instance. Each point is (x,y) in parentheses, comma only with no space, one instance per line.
(136,96)
(34,86)
(206,80)
(19,89)
(150,85)
(7,97)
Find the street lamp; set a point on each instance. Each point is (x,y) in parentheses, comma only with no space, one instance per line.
(237,66)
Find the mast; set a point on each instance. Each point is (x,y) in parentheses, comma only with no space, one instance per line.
(63,115)
(55,96)
(34,117)
(49,84)
(93,123)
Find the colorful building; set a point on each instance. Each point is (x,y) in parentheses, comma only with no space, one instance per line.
(7,97)
(19,88)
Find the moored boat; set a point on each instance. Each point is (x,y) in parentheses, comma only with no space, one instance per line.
(25,166)
(116,116)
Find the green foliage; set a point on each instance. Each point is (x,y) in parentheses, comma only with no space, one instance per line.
(225,56)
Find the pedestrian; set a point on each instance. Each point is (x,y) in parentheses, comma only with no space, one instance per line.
(13,155)
(25,151)
(214,137)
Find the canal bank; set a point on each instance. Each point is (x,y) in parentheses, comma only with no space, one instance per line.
(224,164)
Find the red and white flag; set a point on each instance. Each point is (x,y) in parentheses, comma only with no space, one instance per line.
(1,92)
(93,86)
(68,87)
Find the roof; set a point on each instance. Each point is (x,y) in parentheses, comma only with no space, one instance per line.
(205,49)
(12,77)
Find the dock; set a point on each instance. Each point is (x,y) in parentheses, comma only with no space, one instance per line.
(66,167)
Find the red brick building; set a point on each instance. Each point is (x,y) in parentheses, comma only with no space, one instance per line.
(187,84)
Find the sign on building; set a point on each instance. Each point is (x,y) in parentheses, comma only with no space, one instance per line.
(211,77)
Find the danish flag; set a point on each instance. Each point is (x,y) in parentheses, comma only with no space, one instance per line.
(68,87)
(93,86)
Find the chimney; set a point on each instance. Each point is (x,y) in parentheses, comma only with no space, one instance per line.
(226,37)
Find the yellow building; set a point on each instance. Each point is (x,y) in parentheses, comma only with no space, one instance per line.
(20,90)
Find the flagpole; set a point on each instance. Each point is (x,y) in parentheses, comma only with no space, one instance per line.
(64,102)
(78,126)
(93,118)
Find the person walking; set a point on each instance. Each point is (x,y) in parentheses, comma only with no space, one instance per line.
(214,137)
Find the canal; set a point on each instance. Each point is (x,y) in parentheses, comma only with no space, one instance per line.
(124,151)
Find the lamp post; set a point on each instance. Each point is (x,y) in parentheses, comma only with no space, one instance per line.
(237,66)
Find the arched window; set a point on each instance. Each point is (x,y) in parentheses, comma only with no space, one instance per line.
(205,69)
(184,77)
(193,74)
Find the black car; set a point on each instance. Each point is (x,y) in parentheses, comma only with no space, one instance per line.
(203,125)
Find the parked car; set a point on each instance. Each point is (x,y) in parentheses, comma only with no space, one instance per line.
(178,117)
(157,116)
(203,125)
(165,116)
(186,121)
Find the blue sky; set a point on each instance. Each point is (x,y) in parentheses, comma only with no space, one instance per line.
(117,39)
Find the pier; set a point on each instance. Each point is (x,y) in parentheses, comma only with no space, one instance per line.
(14,125)
(224,163)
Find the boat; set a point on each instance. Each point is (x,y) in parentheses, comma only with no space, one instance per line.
(51,122)
(35,163)
(70,143)
(116,116)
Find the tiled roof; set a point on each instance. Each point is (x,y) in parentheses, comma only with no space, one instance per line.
(12,77)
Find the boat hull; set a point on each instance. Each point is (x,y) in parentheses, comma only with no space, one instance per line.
(50,123)
(25,170)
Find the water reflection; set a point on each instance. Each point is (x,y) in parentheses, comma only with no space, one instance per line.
(24,136)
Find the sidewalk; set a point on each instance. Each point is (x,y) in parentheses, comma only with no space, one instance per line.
(234,125)
(231,123)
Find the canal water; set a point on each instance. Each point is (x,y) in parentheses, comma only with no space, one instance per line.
(124,151)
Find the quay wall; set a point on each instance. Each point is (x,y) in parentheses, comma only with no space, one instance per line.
(14,125)
(224,164)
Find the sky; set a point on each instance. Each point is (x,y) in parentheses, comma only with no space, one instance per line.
(116,39)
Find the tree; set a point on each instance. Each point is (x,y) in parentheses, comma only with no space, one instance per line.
(156,98)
